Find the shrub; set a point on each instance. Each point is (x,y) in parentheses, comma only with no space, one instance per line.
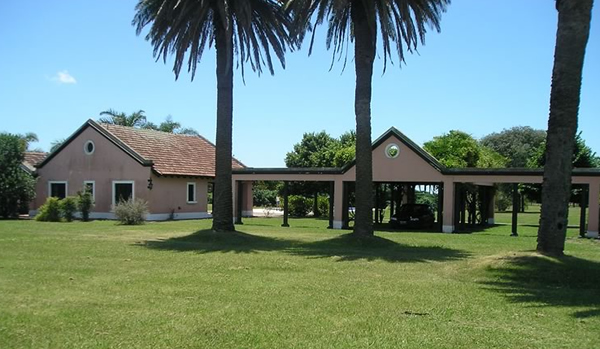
(299,206)
(17,188)
(264,197)
(50,211)
(131,212)
(503,202)
(68,207)
(323,205)
(84,204)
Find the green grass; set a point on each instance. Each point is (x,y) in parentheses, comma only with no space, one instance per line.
(531,216)
(178,285)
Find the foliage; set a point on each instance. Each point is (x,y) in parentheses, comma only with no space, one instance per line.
(135,119)
(16,185)
(27,139)
(323,205)
(515,144)
(423,197)
(131,212)
(55,144)
(457,149)
(170,126)
(264,197)
(68,207)
(299,206)
(503,200)
(583,155)
(50,211)
(85,203)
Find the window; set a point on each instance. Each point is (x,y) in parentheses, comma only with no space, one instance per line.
(122,191)
(89,147)
(57,189)
(91,187)
(392,150)
(191,193)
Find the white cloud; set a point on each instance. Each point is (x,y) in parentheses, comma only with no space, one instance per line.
(63,77)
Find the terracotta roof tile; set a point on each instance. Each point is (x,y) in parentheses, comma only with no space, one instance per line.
(33,158)
(171,154)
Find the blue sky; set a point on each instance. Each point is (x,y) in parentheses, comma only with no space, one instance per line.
(489,69)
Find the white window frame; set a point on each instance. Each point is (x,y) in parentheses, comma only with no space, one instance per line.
(93,183)
(122,182)
(187,191)
(66,183)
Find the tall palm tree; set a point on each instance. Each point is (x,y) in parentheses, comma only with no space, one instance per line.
(135,119)
(250,29)
(401,25)
(574,18)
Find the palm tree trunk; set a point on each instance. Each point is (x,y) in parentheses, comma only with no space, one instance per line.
(223,208)
(574,18)
(364,55)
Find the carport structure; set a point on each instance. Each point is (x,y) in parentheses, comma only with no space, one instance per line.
(398,160)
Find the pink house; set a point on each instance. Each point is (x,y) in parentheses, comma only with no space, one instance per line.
(171,172)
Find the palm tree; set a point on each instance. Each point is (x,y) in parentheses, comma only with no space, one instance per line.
(574,18)
(27,139)
(252,29)
(135,119)
(402,25)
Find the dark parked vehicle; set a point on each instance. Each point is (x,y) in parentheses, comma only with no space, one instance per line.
(413,216)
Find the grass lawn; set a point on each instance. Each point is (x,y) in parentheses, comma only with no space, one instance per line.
(177,285)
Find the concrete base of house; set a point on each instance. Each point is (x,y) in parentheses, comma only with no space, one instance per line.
(149,217)
(447,229)
(491,221)
(337,224)
(247,213)
(591,234)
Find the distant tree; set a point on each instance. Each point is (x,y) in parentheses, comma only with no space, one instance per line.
(28,138)
(516,144)
(170,126)
(583,156)
(55,144)
(574,17)
(246,31)
(457,149)
(16,186)
(135,119)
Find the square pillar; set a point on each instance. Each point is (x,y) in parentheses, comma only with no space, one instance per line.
(338,198)
(448,214)
(593,215)
(248,200)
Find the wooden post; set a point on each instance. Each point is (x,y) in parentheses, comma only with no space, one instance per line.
(582,206)
(515,209)
(331,193)
(239,203)
(285,204)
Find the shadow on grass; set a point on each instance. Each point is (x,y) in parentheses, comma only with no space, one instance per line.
(562,282)
(343,248)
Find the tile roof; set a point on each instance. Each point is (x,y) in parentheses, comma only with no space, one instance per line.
(33,158)
(171,154)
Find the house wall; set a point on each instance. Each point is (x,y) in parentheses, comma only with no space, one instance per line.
(109,163)
(106,164)
(170,195)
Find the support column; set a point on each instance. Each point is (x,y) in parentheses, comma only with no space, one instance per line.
(448,202)
(248,202)
(331,203)
(285,205)
(239,201)
(592,229)
(582,206)
(338,204)
(392,200)
(492,206)
(345,206)
(515,209)
(440,207)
